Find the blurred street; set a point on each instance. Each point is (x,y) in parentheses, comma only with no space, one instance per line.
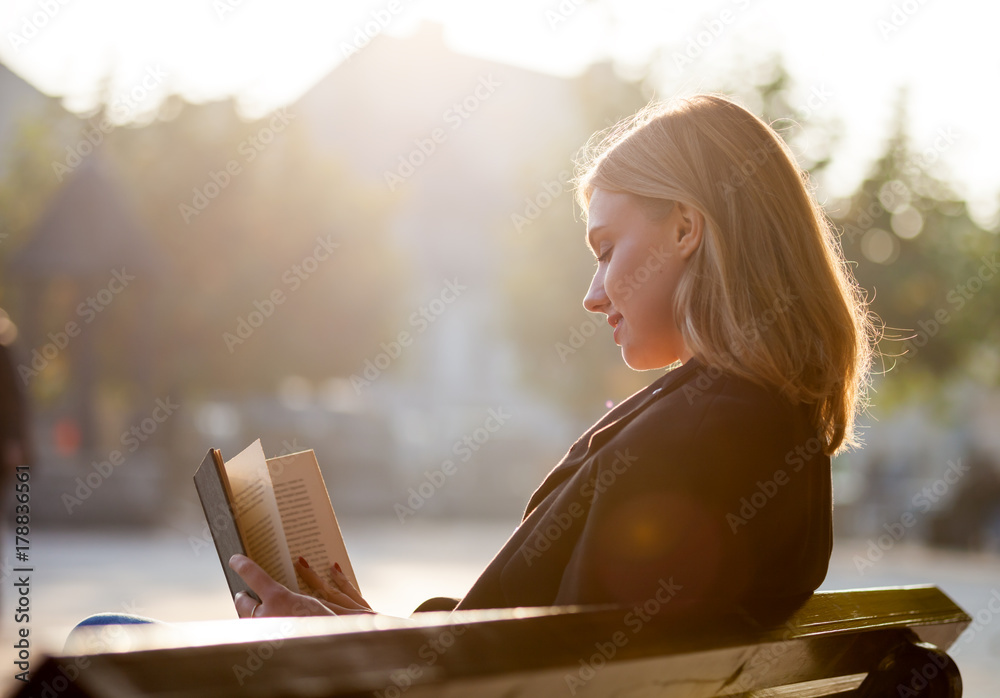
(163,573)
(353,228)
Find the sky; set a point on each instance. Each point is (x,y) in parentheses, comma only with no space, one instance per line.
(849,58)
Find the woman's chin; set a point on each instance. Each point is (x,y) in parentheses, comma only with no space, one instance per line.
(634,360)
(639,361)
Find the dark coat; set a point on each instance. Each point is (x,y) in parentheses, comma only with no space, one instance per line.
(703,488)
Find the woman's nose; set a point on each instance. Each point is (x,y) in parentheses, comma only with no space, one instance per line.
(596,300)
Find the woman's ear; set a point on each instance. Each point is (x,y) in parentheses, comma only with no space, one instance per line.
(690,228)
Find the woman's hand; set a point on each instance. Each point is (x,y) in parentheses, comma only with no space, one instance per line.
(342,598)
(277,600)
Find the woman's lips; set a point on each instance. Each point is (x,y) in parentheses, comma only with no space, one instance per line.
(616,322)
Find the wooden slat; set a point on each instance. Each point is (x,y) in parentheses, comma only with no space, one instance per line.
(812,689)
(527,652)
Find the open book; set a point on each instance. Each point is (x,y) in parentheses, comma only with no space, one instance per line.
(271,510)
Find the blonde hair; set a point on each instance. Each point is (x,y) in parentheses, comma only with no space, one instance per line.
(768,295)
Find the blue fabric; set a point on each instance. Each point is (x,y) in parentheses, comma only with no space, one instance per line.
(102,630)
(114,619)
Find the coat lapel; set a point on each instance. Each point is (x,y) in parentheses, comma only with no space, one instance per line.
(609,425)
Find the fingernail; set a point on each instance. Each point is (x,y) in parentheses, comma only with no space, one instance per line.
(302,561)
(336,566)
(235,558)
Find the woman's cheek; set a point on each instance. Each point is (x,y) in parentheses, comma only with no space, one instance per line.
(623,291)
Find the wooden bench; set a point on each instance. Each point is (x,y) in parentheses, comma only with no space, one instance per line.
(869,642)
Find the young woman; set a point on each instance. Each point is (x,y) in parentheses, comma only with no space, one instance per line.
(709,488)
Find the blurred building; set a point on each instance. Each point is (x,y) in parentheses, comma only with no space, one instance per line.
(20,102)
(434,128)
(87,247)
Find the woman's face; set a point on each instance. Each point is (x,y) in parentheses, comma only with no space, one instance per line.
(639,262)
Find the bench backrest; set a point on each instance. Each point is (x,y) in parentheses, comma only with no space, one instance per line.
(827,646)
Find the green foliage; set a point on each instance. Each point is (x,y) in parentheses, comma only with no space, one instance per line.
(242,246)
(550,267)
(929,270)
(939,314)
(28,183)
(169,330)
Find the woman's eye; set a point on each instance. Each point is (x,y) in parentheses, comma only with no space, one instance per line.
(605,256)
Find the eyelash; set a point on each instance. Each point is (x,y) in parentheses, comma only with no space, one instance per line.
(604,257)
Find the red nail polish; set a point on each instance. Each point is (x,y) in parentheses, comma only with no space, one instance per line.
(302,561)
(336,566)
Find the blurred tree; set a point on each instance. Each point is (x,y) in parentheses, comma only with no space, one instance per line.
(801,114)
(25,190)
(565,352)
(243,213)
(284,223)
(29,182)
(931,271)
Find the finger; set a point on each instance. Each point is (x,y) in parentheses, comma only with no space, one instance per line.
(313,580)
(255,577)
(246,605)
(341,580)
(341,610)
(323,588)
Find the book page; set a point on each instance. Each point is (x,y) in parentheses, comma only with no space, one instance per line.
(307,517)
(257,514)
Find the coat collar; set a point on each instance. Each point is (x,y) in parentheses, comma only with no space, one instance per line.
(611,423)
